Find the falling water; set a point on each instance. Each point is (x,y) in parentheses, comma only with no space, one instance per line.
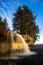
(26,47)
(22,41)
(19,39)
(12,37)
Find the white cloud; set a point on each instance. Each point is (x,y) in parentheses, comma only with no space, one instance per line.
(8,18)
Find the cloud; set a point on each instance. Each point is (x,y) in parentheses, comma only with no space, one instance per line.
(4,4)
(7,8)
(4,12)
(8,18)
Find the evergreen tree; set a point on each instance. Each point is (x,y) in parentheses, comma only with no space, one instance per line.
(3,29)
(24,22)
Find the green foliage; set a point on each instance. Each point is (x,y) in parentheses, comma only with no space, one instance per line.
(24,22)
(3,29)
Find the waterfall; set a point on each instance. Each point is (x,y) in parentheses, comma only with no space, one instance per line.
(22,41)
(11,47)
(19,40)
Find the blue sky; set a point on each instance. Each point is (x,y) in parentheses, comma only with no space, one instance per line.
(8,7)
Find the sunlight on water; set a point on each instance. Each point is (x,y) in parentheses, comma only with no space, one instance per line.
(18,48)
(20,41)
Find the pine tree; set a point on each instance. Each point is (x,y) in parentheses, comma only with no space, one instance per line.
(24,22)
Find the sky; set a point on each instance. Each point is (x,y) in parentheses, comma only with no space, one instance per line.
(8,7)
